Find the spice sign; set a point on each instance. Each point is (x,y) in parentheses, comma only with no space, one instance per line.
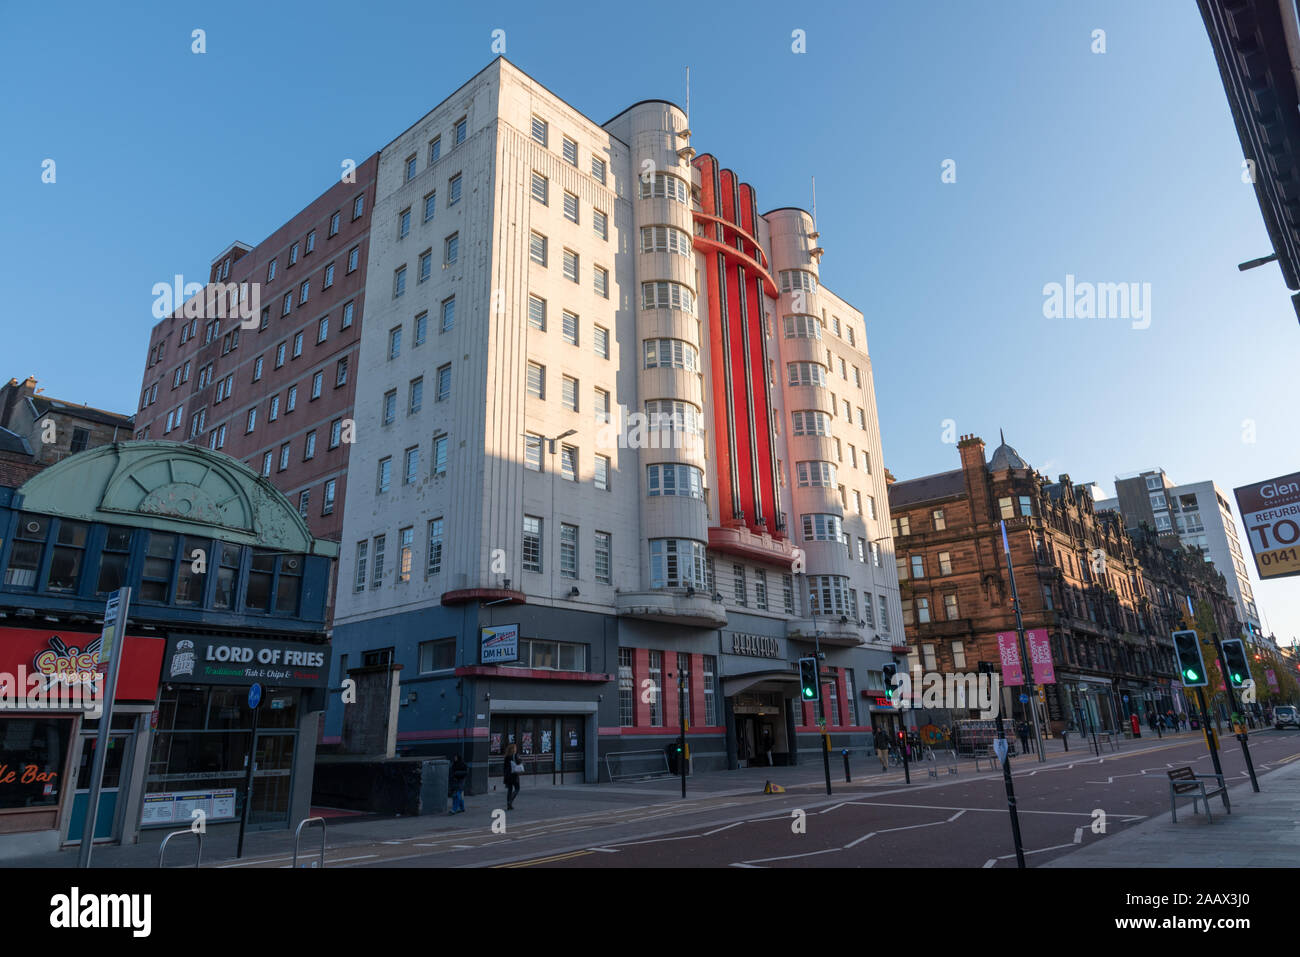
(1271,513)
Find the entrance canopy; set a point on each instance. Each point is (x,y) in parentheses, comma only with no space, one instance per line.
(782,681)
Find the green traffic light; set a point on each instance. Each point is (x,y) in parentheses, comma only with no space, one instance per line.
(1192,675)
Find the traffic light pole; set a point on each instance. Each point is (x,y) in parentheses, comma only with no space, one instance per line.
(821,711)
(1209,740)
(1011,797)
(681,711)
(1232,696)
(1020,644)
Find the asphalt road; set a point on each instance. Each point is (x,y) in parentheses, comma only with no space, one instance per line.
(959,821)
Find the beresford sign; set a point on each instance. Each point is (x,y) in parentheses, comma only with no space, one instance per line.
(755,646)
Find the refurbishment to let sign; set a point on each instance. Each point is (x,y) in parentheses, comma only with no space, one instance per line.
(1271,513)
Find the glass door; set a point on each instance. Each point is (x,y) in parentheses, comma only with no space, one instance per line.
(272,780)
(117,774)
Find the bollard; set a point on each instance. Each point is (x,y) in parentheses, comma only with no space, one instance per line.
(845,752)
(1065,740)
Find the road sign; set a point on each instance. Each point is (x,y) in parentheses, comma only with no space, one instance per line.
(1000,748)
(1270,511)
(1024,699)
(254,696)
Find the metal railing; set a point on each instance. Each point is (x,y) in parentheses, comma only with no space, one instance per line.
(162,851)
(297,836)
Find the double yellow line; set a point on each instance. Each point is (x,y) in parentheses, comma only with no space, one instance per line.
(544,860)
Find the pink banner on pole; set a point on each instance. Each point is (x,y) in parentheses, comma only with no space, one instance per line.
(1009,650)
(1271,676)
(1040,656)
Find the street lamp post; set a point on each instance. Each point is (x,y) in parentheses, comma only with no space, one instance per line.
(821,710)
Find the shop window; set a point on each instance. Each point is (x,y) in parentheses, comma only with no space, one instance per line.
(25,556)
(438,655)
(261,576)
(289,584)
(35,749)
(156,580)
(113,560)
(190,583)
(69,552)
(226,559)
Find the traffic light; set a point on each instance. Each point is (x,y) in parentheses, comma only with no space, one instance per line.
(808,679)
(889,670)
(1191,666)
(1234,659)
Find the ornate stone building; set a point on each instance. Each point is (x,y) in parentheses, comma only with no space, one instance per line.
(1076,573)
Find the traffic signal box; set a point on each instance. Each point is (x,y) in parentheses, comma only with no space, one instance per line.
(1191,667)
(808,684)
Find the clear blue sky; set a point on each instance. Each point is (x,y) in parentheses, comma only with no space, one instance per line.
(1114,167)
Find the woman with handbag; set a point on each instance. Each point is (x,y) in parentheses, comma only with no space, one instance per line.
(512,771)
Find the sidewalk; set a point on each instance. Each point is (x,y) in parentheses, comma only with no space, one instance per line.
(1263,830)
(545,803)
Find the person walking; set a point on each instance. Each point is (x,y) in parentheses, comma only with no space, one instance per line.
(1022,729)
(511,774)
(882,748)
(459,774)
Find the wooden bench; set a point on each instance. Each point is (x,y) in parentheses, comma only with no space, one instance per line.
(1185,781)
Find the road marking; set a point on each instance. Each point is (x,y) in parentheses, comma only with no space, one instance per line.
(258,860)
(991,862)
(544,860)
(791,857)
(723,828)
(1078,835)
(751,866)
(859,840)
(603,850)
(957,815)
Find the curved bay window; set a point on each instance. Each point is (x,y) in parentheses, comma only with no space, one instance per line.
(830,595)
(676,563)
(25,556)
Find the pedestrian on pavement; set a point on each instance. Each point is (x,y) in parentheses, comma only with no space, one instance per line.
(459,774)
(1022,730)
(882,748)
(511,773)
(742,750)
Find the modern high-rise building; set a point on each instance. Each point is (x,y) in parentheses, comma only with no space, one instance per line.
(617,458)
(1196,515)
(274,390)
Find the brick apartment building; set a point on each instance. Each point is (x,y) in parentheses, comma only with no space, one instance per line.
(276,395)
(1076,572)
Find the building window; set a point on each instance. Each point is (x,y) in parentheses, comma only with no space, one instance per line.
(410,167)
(1005,506)
(569,463)
(341,372)
(740,586)
(540,188)
(434,564)
(923,612)
(626,689)
(570,265)
(600,341)
(760,589)
(569,150)
(399,282)
(385,478)
(600,224)
(537,248)
(787,593)
(569,393)
(444,382)
(440,455)
(601,284)
(390,407)
(601,479)
(950,607)
(1026,506)
(336,433)
(939,523)
(334,226)
(537,380)
(416,398)
(533,452)
(945,563)
(405,543)
(598,169)
(404,223)
(450,249)
(359,583)
(359,206)
(918,566)
(603,558)
(676,563)
(438,655)
(430,205)
(537,312)
(327,506)
(377,578)
(540,130)
(347,314)
(426,265)
(435,149)
(656,688)
(412,474)
(570,207)
(532,544)
(568,551)
(453,190)
(569,327)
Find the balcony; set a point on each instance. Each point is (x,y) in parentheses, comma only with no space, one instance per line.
(678,606)
(829,631)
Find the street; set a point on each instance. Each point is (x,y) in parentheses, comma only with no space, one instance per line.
(876,822)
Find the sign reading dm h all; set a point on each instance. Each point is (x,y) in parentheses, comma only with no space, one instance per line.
(499,643)
(1271,513)
(755,646)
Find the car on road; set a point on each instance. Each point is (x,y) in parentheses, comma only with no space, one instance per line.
(1285,715)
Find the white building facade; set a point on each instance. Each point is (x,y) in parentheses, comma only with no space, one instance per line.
(616,457)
